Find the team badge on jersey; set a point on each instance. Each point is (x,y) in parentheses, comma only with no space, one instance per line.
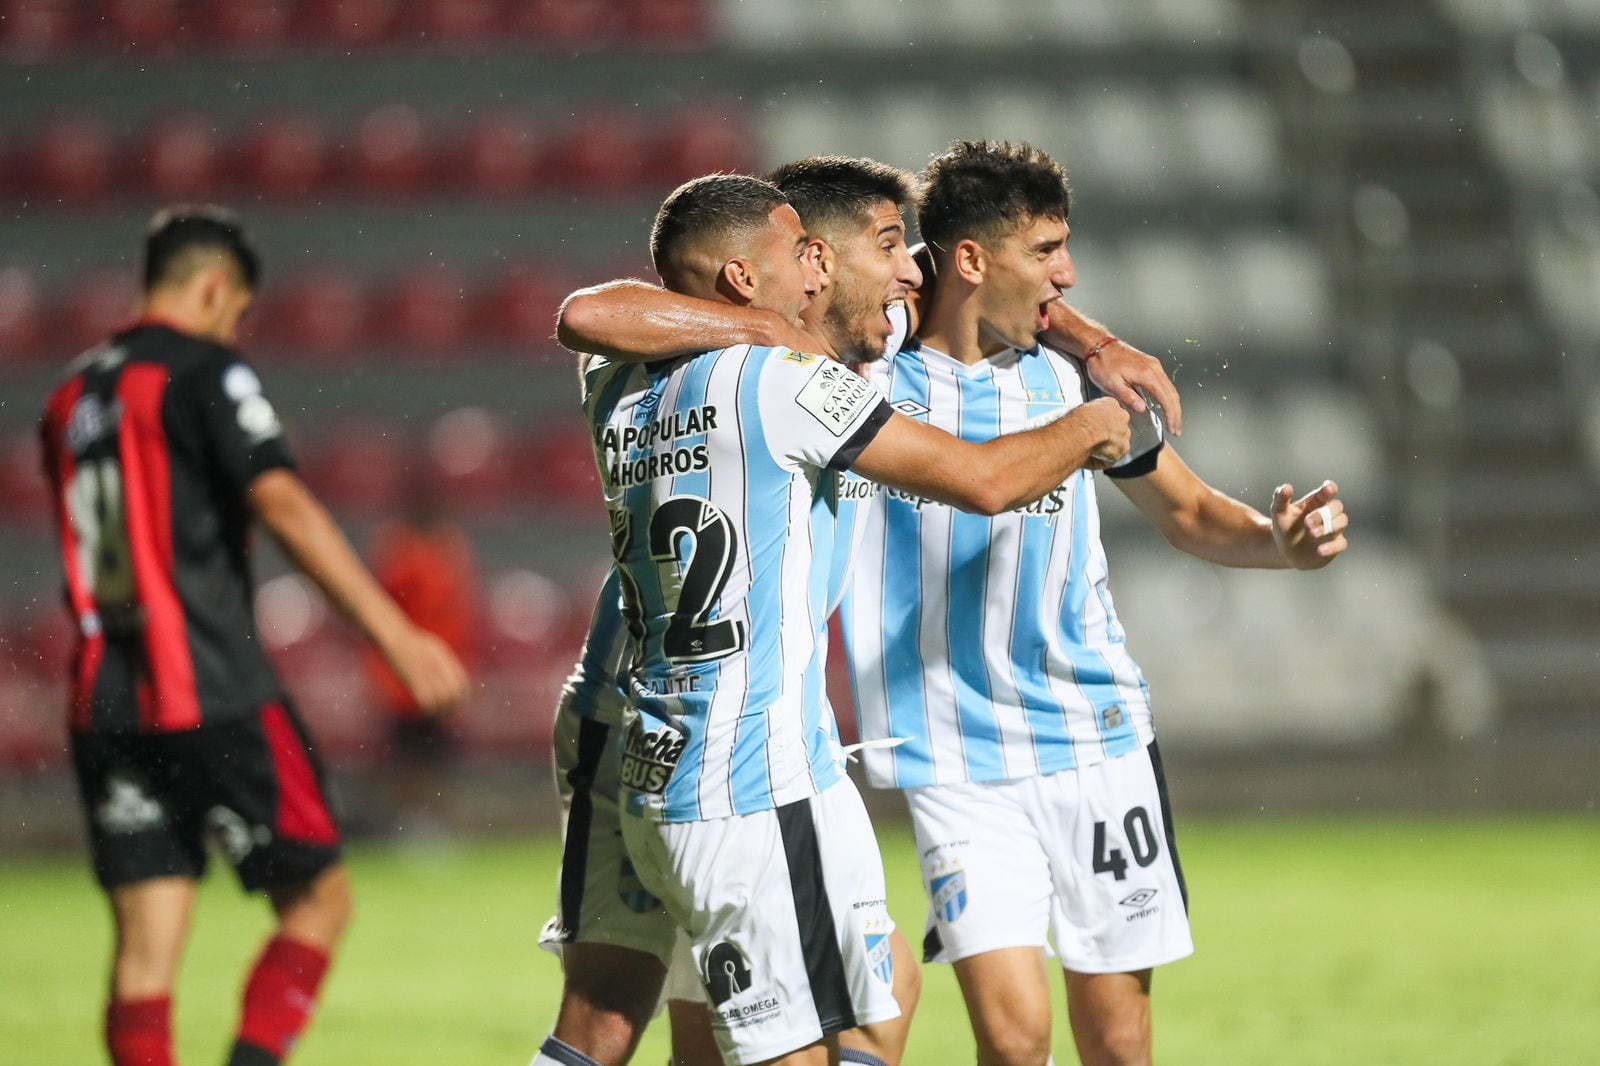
(799,358)
(835,396)
(880,956)
(949,894)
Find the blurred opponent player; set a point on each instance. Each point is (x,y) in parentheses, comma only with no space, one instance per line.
(852,211)
(161,449)
(991,646)
(735,809)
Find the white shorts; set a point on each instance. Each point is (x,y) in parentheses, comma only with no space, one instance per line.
(787,922)
(602,900)
(1085,858)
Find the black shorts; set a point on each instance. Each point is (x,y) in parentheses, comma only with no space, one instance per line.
(253,785)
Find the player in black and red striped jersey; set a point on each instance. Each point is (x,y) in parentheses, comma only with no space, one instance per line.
(163,451)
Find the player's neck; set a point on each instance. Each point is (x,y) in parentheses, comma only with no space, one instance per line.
(954,328)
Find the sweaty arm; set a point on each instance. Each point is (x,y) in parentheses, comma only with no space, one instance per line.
(1302,534)
(632,321)
(994,477)
(299,522)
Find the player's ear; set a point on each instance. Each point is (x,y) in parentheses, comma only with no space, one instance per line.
(969,261)
(737,281)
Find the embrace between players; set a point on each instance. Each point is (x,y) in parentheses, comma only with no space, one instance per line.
(778,437)
(799,422)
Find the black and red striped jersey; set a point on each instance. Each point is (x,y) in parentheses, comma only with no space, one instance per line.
(151,445)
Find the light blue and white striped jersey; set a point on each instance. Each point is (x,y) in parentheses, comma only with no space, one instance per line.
(594,689)
(715,469)
(990,644)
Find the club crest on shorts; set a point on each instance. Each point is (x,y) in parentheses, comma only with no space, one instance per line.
(880,956)
(949,894)
(128,807)
(631,890)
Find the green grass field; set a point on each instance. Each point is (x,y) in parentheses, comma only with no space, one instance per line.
(1413,942)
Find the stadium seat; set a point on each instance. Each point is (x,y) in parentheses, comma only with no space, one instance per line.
(605,154)
(1232,140)
(1280,292)
(566,23)
(347,23)
(320,665)
(97,304)
(520,309)
(557,468)
(1327,432)
(321,313)
(389,155)
(663,24)
(472,463)
(360,467)
(248,27)
(31,30)
(526,616)
(178,158)
(700,140)
(425,311)
(498,155)
(450,23)
(138,25)
(73,159)
(21,316)
(285,157)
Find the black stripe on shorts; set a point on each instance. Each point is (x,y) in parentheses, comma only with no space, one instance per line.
(1166,822)
(575,854)
(819,939)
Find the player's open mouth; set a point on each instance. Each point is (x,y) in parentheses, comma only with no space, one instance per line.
(1044,314)
(888,318)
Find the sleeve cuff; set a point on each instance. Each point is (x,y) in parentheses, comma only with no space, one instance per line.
(1139,466)
(846,456)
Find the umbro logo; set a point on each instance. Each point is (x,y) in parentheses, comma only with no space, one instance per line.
(1139,898)
(910,408)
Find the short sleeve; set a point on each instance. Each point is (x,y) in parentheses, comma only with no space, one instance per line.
(817,411)
(237,422)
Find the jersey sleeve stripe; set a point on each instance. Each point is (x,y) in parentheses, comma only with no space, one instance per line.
(870,427)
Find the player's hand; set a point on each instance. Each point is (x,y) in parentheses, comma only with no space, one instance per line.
(1111,428)
(1309,531)
(1121,370)
(429,670)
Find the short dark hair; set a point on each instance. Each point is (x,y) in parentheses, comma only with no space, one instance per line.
(834,191)
(987,189)
(176,233)
(715,206)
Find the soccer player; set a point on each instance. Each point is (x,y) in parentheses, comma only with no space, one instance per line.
(609,930)
(162,448)
(991,645)
(734,807)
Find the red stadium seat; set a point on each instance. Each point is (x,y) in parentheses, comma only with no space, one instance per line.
(567,23)
(73,159)
(348,23)
(21,316)
(426,311)
(520,309)
(701,140)
(22,484)
(359,467)
(663,24)
(451,22)
(319,314)
(606,153)
(140,25)
(31,30)
(472,464)
(389,153)
(558,468)
(97,305)
(285,158)
(498,156)
(250,27)
(178,158)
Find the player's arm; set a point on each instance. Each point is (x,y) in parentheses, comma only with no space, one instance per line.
(633,321)
(1008,472)
(1116,366)
(424,663)
(1303,534)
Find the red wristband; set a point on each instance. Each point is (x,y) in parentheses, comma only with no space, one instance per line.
(1100,346)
